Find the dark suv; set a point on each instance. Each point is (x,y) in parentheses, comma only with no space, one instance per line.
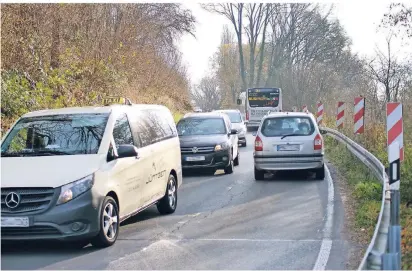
(207,142)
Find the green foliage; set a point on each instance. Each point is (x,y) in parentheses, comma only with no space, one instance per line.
(366,191)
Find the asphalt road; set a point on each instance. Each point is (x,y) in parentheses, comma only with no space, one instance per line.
(289,221)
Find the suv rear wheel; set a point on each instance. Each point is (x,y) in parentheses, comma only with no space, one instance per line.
(259,175)
(320,173)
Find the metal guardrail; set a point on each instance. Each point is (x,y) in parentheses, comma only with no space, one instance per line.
(372,259)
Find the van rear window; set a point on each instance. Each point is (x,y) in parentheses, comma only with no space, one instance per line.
(291,126)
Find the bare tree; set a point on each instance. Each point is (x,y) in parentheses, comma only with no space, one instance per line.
(386,71)
(207,94)
(233,12)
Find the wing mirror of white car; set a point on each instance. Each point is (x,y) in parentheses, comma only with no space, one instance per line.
(233,132)
(323,132)
(254,133)
(127,150)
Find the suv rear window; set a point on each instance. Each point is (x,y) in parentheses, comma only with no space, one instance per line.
(291,126)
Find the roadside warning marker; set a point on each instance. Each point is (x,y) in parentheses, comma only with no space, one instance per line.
(320,113)
(359,113)
(394,126)
(340,114)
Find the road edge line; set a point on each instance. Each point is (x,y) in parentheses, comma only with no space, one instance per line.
(326,246)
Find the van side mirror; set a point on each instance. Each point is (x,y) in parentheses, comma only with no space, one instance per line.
(126,150)
(239,101)
(233,132)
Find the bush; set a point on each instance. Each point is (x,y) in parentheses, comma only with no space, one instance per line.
(366,191)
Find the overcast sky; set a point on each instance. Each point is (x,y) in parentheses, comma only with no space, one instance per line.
(360,19)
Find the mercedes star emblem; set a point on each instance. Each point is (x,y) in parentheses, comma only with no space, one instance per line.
(194,149)
(12,200)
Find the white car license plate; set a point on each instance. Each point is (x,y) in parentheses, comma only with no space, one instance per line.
(14,222)
(195,158)
(288,147)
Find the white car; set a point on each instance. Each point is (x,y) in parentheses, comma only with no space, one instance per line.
(288,141)
(74,174)
(237,123)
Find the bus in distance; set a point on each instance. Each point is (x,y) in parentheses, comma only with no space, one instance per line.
(259,102)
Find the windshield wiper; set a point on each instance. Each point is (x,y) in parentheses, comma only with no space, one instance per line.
(50,152)
(288,135)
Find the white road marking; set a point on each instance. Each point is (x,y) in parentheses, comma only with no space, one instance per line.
(225,240)
(326,245)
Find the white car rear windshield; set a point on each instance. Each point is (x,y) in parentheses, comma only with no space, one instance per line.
(290,126)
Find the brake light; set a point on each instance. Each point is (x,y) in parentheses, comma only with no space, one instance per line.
(247,115)
(258,144)
(317,144)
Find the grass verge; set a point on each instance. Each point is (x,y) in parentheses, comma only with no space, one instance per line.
(365,193)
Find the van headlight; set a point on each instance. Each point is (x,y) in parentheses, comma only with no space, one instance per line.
(221,146)
(73,190)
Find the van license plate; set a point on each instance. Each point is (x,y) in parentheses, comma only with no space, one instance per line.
(288,147)
(195,158)
(14,222)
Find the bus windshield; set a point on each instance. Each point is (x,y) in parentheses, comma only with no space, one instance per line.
(263,97)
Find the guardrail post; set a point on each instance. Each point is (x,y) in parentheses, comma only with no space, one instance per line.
(394,237)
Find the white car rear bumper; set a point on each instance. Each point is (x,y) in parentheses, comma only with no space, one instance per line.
(288,163)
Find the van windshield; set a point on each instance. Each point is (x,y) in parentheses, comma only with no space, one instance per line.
(56,135)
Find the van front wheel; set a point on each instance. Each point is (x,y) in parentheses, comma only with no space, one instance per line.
(109,224)
(168,203)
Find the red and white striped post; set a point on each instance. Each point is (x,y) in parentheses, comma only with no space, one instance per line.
(394,126)
(304,108)
(359,113)
(320,113)
(340,115)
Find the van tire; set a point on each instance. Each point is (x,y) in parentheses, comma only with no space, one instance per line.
(259,175)
(320,173)
(101,240)
(167,205)
(236,161)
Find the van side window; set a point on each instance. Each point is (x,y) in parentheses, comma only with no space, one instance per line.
(155,127)
(122,133)
(164,122)
(141,129)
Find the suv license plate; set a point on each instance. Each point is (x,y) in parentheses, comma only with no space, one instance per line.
(14,222)
(195,158)
(288,147)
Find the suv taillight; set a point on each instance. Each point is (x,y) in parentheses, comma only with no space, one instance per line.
(247,115)
(258,144)
(317,143)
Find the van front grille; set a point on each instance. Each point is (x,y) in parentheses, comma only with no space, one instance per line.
(29,199)
(35,230)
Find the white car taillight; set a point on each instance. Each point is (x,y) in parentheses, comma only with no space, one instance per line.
(317,144)
(258,144)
